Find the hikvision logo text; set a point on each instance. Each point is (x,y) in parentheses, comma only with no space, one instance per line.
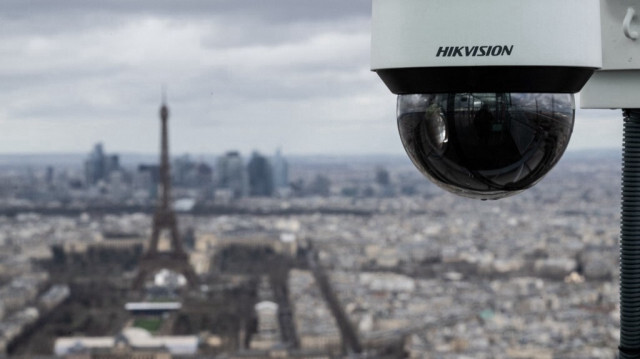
(471,51)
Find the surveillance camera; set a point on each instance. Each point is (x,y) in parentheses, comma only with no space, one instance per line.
(485,88)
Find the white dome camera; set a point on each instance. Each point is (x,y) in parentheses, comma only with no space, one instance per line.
(485,88)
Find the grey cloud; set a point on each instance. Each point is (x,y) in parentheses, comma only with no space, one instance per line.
(260,32)
(252,73)
(233,22)
(277,11)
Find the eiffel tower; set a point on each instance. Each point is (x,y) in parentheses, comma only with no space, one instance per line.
(164,218)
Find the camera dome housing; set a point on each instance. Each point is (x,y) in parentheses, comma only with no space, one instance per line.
(485,145)
(444,46)
(485,106)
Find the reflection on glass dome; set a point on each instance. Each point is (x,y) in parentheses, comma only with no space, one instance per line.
(485,145)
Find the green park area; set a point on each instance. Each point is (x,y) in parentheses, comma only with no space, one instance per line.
(151,324)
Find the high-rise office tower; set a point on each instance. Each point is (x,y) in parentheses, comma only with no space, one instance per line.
(280,171)
(99,165)
(231,174)
(260,176)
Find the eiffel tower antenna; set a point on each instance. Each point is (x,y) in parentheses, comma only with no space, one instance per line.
(164,218)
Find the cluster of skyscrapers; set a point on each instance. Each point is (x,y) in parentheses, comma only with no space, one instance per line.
(100,165)
(231,177)
(260,177)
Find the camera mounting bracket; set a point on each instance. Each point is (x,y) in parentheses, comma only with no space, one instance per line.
(616,85)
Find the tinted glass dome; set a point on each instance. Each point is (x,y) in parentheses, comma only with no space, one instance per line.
(485,145)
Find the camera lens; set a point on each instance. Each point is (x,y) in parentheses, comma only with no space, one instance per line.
(485,145)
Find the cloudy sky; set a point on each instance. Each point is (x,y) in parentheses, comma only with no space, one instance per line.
(240,74)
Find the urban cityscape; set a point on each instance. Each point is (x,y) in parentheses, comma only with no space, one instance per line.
(273,212)
(303,257)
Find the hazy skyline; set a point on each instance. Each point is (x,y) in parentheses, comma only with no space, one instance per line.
(245,75)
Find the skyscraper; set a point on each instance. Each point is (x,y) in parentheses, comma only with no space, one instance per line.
(94,167)
(99,165)
(191,174)
(260,176)
(280,171)
(231,174)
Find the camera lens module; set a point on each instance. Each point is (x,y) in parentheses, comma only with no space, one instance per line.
(485,145)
